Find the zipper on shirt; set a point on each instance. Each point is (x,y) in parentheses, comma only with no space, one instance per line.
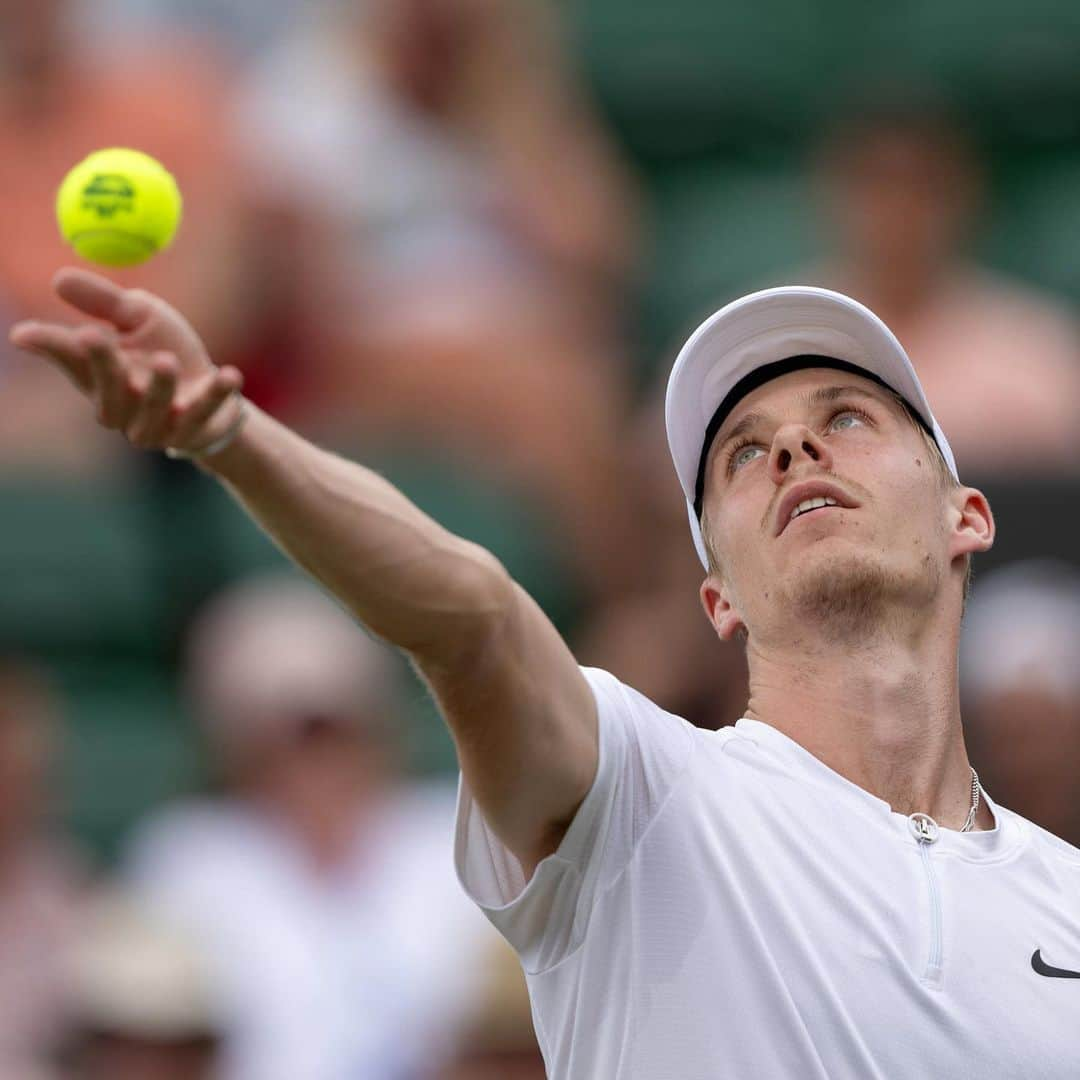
(925,831)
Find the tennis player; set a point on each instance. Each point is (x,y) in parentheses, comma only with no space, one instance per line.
(822,890)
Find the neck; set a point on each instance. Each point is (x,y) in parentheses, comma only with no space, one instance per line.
(884,714)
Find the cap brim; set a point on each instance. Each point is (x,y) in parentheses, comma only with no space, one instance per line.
(764,328)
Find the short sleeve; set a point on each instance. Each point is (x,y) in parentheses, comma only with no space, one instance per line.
(643,751)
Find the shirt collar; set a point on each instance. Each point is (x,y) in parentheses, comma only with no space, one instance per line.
(984,845)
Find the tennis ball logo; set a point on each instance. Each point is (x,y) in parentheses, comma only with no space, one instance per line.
(106,194)
(118,207)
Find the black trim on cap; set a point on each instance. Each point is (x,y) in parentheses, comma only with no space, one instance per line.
(762,375)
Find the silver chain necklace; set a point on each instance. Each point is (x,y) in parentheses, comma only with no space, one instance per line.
(974,801)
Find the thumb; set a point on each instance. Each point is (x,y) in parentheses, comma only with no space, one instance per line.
(95,295)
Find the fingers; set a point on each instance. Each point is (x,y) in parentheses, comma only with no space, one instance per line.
(59,344)
(153,424)
(211,393)
(110,377)
(92,294)
(134,391)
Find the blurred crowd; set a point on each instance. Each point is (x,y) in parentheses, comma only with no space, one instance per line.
(432,240)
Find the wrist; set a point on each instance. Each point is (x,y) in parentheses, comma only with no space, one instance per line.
(216,437)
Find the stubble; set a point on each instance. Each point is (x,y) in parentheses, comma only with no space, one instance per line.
(856,598)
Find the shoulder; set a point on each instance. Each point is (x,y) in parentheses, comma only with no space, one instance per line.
(645,751)
(628,713)
(1046,845)
(1054,846)
(616,696)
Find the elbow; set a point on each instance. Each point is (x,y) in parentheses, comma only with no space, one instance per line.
(470,604)
(486,587)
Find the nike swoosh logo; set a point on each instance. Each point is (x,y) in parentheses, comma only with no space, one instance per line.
(1044,968)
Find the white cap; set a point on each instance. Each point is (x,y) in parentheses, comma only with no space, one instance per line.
(134,971)
(735,350)
(273,648)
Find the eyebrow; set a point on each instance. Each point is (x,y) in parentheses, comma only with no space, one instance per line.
(822,395)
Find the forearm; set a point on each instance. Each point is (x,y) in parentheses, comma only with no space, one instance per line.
(522,714)
(408,579)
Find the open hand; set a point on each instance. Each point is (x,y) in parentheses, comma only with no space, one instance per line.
(142,364)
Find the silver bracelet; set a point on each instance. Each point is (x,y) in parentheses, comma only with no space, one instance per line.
(218,444)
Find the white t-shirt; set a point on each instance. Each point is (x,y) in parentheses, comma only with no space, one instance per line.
(361,975)
(726,905)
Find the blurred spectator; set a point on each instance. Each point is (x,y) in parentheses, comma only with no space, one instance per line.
(242,28)
(40,879)
(322,885)
(1020,680)
(497,1040)
(59,100)
(1000,363)
(454,232)
(139,998)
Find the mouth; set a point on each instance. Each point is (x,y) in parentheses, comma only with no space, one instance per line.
(812,512)
(812,498)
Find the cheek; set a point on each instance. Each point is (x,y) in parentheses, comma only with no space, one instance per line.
(744,557)
(917,510)
(736,520)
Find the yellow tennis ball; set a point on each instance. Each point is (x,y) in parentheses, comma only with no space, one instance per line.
(118,207)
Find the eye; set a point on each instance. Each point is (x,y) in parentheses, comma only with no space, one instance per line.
(848,414)
(738,455)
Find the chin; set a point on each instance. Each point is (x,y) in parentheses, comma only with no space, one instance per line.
(848,592)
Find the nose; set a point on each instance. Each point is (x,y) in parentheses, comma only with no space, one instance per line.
(794,443)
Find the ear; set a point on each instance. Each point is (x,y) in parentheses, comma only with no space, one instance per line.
(972,523)
(719,611)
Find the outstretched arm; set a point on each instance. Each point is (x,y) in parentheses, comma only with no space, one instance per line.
(519,709)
